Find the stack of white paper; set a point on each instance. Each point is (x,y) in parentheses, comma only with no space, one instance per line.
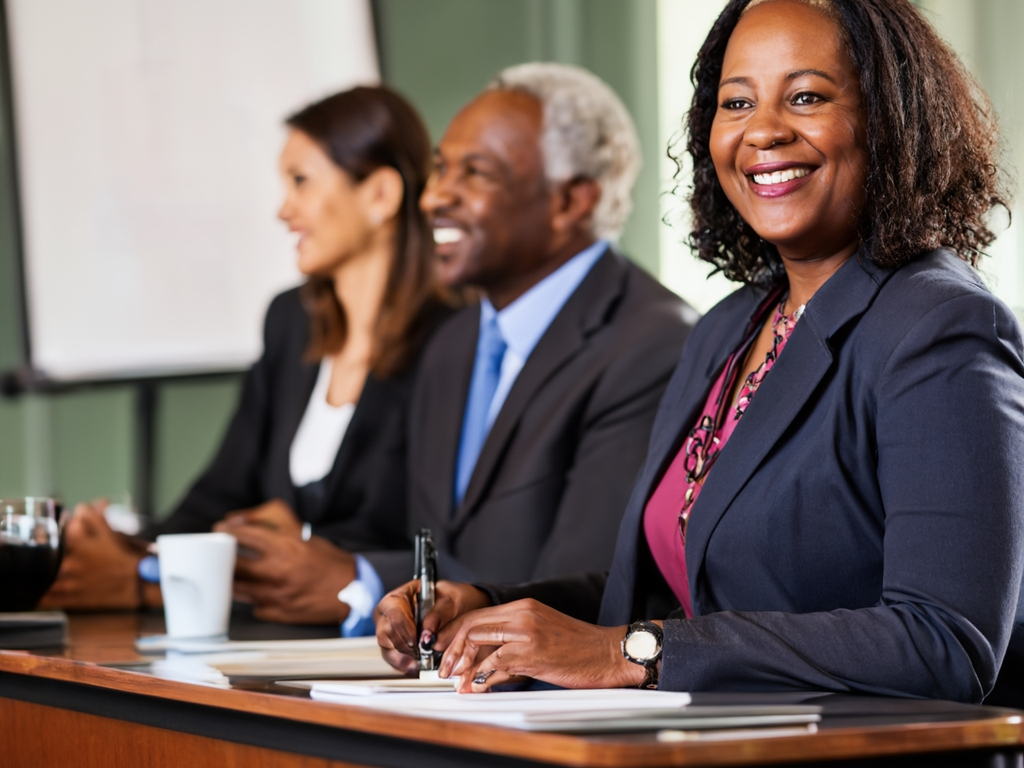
(281,659)
(574,711)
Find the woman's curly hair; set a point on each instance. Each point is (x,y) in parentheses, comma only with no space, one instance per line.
(932,141)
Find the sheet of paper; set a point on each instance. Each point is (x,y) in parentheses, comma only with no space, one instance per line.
(365,646)
(372,687)
(188,669)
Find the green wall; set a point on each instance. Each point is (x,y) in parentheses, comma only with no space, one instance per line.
(83,444)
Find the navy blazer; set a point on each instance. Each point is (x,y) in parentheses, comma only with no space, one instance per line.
(862,528)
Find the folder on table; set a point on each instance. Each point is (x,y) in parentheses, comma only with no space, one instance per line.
(33,629)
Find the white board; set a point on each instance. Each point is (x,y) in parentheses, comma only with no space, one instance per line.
(148,133)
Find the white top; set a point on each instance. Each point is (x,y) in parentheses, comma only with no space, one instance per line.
(320,432)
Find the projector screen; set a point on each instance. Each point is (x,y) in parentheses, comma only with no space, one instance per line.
(147,140)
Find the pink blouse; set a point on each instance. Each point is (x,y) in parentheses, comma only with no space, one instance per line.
(668,509)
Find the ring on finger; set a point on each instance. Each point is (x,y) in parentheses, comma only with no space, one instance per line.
(482,677)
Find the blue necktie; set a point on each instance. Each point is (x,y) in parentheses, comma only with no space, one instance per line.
(490,351)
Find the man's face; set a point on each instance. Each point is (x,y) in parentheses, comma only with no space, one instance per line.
(487,199)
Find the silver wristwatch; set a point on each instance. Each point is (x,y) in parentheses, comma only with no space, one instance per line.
(642,645)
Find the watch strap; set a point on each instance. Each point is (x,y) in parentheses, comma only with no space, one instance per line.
(650,680)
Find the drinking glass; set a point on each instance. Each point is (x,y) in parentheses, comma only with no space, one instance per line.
(30,550)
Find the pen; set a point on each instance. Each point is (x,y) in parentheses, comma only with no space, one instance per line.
(426,572)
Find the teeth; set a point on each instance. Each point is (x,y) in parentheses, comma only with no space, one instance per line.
(780,177)
(443,235)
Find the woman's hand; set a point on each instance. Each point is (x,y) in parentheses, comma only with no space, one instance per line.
(535,641)
(100,566)
(289,580)
(396,619)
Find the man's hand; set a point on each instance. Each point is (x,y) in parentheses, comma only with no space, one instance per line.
(289,580)
(275,515)
(100,566)
(396,619)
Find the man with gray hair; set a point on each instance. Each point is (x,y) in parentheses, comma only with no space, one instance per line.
(532,408)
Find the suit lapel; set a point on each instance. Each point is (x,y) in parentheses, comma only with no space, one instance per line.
(683,400)
(670,427)
(677,415)
(779,400)
(295,402)
(582,314)
(371,405)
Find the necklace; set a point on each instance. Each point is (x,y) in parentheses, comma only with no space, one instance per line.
(703,445)
(782,327)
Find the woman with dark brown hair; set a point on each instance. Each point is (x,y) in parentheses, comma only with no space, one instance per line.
(832,498)
(312,468)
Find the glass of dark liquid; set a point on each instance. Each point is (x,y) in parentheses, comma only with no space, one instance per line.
(30,551)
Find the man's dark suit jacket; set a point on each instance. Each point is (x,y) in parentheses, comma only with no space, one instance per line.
(863,528)
(361,502)
(548,490)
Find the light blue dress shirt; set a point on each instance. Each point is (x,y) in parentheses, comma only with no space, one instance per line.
(522,324)
(358,623)
(525,320)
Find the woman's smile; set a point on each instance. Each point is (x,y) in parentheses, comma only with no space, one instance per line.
(777,179)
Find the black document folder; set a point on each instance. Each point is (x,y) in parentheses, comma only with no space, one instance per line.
(33,629)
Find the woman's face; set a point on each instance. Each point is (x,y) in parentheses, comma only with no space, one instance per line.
(323,205)
(788,139)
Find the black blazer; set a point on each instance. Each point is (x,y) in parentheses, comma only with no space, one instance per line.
(554,474)
(863,529)
(362,500)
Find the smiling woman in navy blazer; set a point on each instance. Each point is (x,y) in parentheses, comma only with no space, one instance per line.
(833,497)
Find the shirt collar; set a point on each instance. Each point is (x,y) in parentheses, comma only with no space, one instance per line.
(525,320)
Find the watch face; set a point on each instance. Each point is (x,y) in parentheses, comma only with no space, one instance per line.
(642,645)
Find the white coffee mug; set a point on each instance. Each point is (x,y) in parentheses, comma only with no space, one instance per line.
(196,574)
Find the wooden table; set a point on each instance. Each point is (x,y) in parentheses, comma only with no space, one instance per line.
(65,709)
